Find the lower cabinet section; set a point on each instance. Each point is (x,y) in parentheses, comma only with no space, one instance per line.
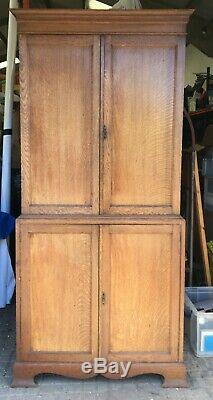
(99,289)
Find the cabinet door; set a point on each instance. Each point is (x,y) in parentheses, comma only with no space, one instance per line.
(60,93)
(142,279)
(57,272)
(142,124)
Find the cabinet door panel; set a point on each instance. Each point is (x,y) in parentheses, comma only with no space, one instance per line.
(142,113)
(58,270)
(60,123)
(141,279)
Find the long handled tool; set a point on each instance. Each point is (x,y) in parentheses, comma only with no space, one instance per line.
(7,280)
(196,195)
(201,225)
(191,228)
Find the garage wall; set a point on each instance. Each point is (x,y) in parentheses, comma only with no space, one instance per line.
(196,61)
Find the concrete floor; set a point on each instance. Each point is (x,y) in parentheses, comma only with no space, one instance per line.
(58,388)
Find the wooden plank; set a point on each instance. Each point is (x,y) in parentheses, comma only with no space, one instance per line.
(102,220)
(201,225)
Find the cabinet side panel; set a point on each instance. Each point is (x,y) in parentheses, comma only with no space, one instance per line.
(60,84)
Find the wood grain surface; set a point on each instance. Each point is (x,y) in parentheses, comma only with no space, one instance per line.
(141,153)
(60,124)
(160,22)
(100,242)
(57,286)
(140,274)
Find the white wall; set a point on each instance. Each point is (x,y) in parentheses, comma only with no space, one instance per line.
(196,61)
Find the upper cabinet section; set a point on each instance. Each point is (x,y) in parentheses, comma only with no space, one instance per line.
(101,110)
(142,116)
(60,123)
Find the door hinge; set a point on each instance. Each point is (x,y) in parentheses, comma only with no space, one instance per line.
(104,132)
(103,298)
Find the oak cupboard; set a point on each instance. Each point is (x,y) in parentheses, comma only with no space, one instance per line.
(100,242)
(85,282)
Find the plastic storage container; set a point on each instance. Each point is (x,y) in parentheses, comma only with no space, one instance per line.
(199,324)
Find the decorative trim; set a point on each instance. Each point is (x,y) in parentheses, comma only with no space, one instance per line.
(174,374)
(103,22)
(100,220)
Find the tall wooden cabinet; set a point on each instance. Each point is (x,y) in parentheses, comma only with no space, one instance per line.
(100,242)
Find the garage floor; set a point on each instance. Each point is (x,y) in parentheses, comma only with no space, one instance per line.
(59,388)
